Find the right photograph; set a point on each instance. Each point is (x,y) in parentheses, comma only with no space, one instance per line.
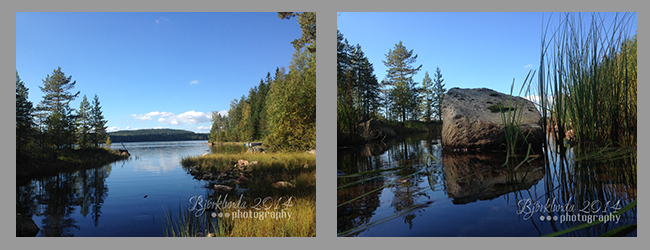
(468,124)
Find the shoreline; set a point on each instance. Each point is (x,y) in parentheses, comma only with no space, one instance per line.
(66,160)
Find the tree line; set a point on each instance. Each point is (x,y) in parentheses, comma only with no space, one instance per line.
(142,135)
(398,97)
(281,109)
(53,125)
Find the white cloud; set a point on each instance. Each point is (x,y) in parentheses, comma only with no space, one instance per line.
(160,19)
(189,117)
(149,116)
(529,66)
(203,128)
(536,99)
(112,129)
(195,82)
(223,112)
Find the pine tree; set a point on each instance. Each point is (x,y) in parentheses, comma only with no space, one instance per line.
(98,123)
(83,124)
(59,122)
(57,89)
(60,126)
(438,93)
(24,116)
(427,96)
(400,75)
(307,21)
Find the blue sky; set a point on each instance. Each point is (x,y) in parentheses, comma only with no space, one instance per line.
(474,49)
(154,70)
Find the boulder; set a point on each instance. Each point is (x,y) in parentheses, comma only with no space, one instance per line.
(241,165)
(376,130)
(470,123)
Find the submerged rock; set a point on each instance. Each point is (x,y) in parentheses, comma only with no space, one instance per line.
(469,122)
(222,189)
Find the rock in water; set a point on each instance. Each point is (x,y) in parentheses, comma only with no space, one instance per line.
(468,122)
(222,189)
(376,130)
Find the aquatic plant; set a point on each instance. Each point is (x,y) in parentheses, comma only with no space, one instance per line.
(511,116)
(587,82)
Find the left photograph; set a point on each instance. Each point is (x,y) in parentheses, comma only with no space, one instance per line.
(165,124)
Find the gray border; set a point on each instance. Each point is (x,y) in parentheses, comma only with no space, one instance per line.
(326,101)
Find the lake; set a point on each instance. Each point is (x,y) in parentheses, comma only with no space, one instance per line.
(125,198)
(403,191)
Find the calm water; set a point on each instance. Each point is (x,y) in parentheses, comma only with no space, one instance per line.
(110,200)
(473,195)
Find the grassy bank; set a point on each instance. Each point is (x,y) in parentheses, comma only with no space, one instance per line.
(261,194)
(65,160)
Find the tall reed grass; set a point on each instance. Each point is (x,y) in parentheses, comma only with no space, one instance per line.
(511,116)
(587,79)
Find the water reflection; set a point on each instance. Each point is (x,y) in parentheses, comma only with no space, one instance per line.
(451,194)
(56,198)
(475,177)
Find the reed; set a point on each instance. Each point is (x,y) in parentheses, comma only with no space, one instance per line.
(511,116)
(589,74)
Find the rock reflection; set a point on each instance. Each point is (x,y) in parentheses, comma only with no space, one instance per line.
(473,177)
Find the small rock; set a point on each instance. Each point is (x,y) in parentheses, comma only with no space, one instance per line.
(282,184)
(222,189)
(207,176)
(242,181)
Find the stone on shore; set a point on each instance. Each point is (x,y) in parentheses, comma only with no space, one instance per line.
(282,184)
(469,124)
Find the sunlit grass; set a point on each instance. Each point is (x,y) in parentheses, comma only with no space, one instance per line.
(274,221)
(262,198)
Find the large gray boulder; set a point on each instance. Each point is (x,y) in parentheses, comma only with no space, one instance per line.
(469,124)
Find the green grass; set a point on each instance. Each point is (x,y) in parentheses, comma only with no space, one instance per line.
(298,169)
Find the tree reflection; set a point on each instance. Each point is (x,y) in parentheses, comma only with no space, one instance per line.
(57,197)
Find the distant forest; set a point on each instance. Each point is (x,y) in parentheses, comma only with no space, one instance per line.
(142,135)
